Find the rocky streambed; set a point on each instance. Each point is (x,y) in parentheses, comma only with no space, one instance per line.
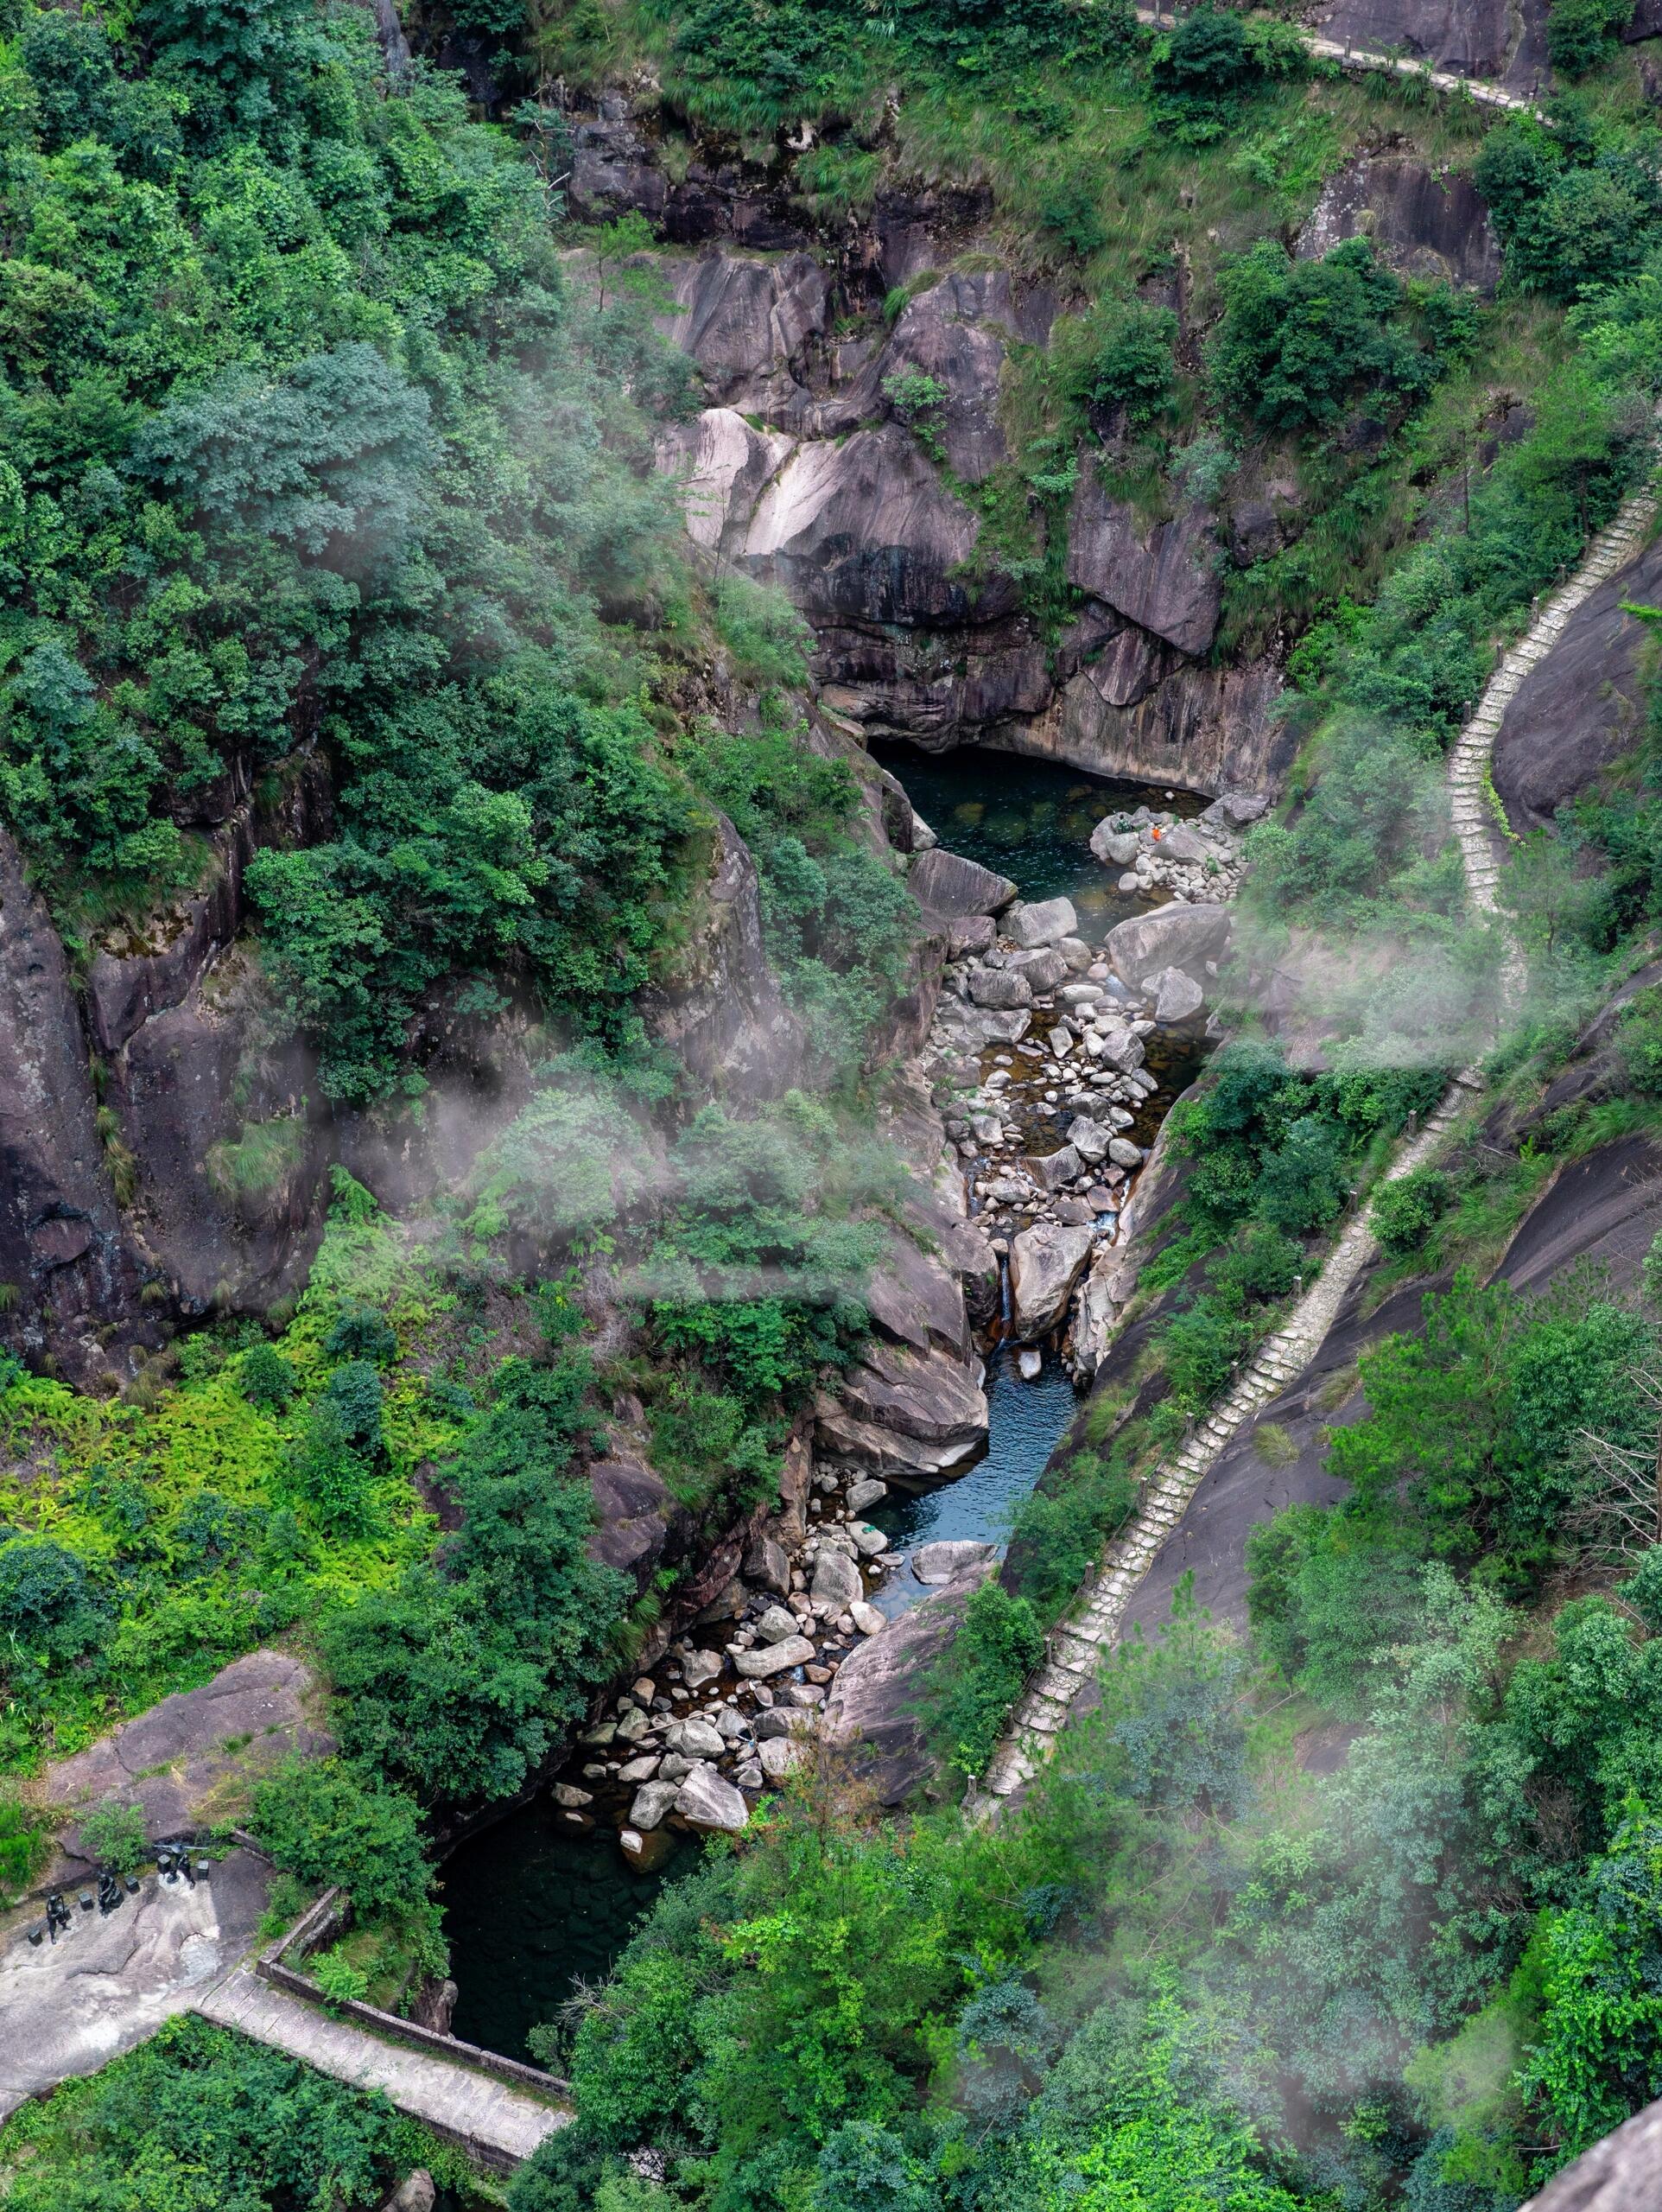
(1056,1047)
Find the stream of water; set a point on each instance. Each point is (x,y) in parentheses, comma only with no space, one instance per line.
(532,1907)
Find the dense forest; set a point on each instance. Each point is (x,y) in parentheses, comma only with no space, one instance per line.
(354,615)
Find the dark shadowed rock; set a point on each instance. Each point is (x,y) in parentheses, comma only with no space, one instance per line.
(1582,707)
(721,1010)
(865,531)
(1423,222)
(1495,39)
(871,1711)
(78,1268)
(1162,579)
(1202,727)
(634,1513)
(947,884)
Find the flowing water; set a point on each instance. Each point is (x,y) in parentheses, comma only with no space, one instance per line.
(533,1906)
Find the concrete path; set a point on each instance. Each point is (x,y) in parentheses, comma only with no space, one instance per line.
(1077,1645)
(107,1984)
(487,2116)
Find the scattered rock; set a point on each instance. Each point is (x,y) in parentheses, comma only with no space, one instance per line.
(778,1623)
(999,987)
(866,1618)
(836,1581)
(1057,1168)
(696,1738)
(1124,1154)
(868,1492)
(868,1541)
(1176,995)
(1113,848)
(1030,1363)
(701,1667)
(634,1770)
(777,1755)
(1088,1138)
(767,1565)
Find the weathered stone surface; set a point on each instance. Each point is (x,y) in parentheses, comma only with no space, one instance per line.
(653,1802)
(1124,1154)
(868,1541)
(1041,921)
(1423,222)
(1621,2174)
(1163,581)
(1088,1138)
(948,884)
(777,1755)
(872,1711)
(1123,1051)
(867,1493)
(768,1565)
(63,1244)
(706,1800)
(836,1581)
(172,1760)
(70,2008)
(969,934)
(1045,1264)
(720,1010)
(1001,987)
(778,1623)
(866,1617)
(1057,1168)
(701,1667)
(416,2193)
(634,1513)
(954,332)
(1184,937)
(697,1738)
(1043,968)
(865,533)
(1502,42)
(1582,707)
(745,322)
(941,1561)
(1198,726)
(1176,995)
(722,466)
(773,1659)
(903,1413)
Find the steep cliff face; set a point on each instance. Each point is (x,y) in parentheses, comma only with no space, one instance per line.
(809,468)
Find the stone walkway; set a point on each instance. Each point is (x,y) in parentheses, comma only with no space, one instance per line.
(1075,1647)
(1390,65)
(500,2124)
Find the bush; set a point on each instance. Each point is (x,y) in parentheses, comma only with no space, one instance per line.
(361,1333)
(1407,1211)
(1299,341)
(25,1843)
(1130,364)
(970,1688)
(113,1834)
(45,1601)
(266,1378)
(321,1820)
(1580,34)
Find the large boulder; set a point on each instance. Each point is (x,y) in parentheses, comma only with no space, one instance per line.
(941,1561)
(706,1800)
(791,1651)
(905,1416)
(1164,579)
(1044,1265)
(1171,937)
(999,987)
(1041,921)
(948,884)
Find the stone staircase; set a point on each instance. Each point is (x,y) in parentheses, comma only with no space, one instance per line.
(1077,1645)
(1390,65)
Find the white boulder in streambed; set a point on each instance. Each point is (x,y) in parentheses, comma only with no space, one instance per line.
(1041,922)
(777,1659)
(1184,937)
(939,1561)
(706,1800)
(1044,1265)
